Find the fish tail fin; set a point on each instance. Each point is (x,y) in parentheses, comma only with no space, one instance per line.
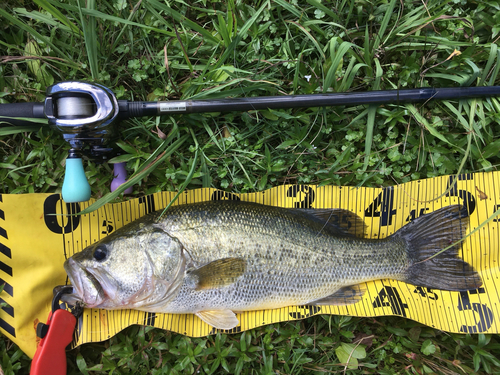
(428,235)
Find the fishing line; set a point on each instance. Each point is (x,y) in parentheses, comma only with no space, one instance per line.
(495,214)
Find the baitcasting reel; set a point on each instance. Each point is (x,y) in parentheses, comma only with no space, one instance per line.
(85,114)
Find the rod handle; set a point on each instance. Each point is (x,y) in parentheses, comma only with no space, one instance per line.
(29,110)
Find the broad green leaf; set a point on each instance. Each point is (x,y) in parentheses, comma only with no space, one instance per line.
(345,358)
(428,347)
(356,351)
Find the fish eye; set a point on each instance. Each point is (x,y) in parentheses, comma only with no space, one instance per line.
(100,253)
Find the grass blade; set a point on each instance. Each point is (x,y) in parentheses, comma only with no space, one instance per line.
(328,11)
(10,130)
(494,75)
(56,13)
(230,50)
(309,36)
(44,18)
(28,29)
(489,63)
(350,74)
(370,125)
(90,37)
(383,26)
(475,73)
(144,170)
(207,36)
(337,56)
(108,17)
(189,177)
(421,120)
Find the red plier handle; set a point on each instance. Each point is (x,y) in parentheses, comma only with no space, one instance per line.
(56,335)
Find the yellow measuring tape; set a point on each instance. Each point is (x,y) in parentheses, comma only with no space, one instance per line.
(34,243)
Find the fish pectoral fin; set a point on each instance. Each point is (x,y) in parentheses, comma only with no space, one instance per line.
(222,319)
(344,296)
(216,274)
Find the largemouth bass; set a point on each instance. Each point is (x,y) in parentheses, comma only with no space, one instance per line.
(216,258)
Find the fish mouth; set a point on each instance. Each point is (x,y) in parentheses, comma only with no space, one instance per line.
(86,287)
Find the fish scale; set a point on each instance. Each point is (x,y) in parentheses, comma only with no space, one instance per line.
(214,258)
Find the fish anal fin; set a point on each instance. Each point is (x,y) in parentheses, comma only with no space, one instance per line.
(217,274)
(340,221)
(346,295)
(221,319)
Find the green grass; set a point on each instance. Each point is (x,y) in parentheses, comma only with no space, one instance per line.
(153,50)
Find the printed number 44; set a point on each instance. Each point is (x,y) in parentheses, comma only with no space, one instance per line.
(383,207)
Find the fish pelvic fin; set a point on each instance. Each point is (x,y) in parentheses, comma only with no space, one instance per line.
(216,274)
(428,235)
(221,319)
(346,295)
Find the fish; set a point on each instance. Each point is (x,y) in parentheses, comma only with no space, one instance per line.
(217,258)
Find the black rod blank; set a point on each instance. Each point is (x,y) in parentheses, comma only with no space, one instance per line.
(137,109)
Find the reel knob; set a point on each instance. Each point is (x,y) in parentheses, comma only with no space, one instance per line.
(75,186)
(120,174)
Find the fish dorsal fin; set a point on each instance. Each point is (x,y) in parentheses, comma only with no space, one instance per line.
(344,296)
(222,319)
(216,274)
(340,221)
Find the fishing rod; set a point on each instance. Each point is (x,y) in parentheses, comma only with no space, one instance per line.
(86,114)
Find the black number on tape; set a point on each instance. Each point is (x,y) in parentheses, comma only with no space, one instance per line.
(389,296)
(483,314)
(107,227)
(307,195)
(413,214)
(385,201)
(426,292)
(51,218)
(468,199)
